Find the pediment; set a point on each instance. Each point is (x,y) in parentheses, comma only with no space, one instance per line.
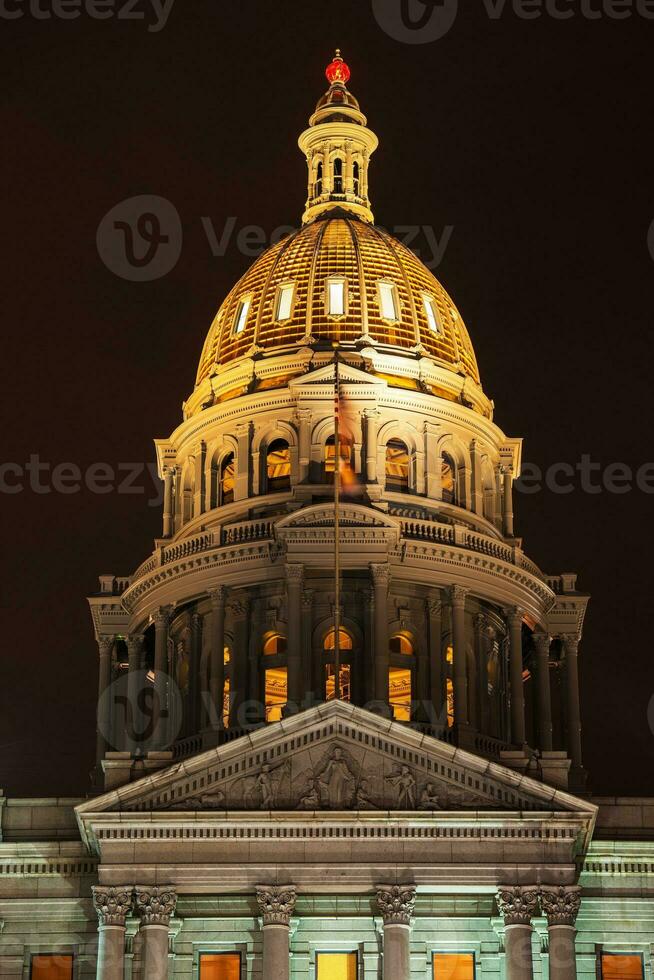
(335,757)
(327,376)
(350,514)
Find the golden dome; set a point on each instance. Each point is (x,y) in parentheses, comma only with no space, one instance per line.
(376,270)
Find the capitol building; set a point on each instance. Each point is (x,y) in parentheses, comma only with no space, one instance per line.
(339,728)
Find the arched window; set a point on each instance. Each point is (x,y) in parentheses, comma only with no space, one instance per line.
(449,685)
(356,177)
(278,466)
(275,676)
(448,480)
(227,660)
(400,678)
(338,176)
(226,482)
(397,466)
(347,470)
(317,190)
(345,646)
(401,643)
(274,644)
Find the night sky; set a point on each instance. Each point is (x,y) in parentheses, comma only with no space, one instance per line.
(528,137)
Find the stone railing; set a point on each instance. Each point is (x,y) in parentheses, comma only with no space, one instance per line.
(487,546)
(427,531)
(490,746)
(245,531)
(190,546)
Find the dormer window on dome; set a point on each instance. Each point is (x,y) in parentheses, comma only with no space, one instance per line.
(242,310)
(336,296)
(284,301)
(431,312)
(388,300)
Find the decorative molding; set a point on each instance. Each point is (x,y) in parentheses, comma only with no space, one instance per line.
(155,905)
(561,904)
(517,904)
(277,903)
(396,903)
(112,904)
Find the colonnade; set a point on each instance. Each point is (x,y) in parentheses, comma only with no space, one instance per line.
(155,906)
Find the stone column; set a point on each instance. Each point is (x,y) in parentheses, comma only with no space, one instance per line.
(242,474)
(476,488)
(507,501)
(304,440)
(194,674)
(433,462)
(168,515)
(160,706)
(310,684)
(573,715)
(294,584)
(155,907)
(276,903)
(458,603)
(112,906)
(240,610)
(371,416)
(514,619)
(396,904)
(517,905)
(480,694)
(103,741)
(437,671)
(542,643)
(380,578)
(134,679)
(561,906)
(217,657)
(199,456)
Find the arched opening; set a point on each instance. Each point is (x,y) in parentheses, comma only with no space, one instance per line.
(400,676)
(275,676)
(448,479)
(274,644)
(449,684)
(346,468)
(338,176)
(317,188)
(397,466)
(356,179)
(345,647)
(226,481)
(278,466)
(227,661)
(402,644)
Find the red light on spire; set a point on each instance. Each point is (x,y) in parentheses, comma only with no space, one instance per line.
(337,70)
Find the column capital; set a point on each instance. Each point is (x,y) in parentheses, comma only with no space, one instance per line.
(542,643)
(303,414)
(112,904)
(155,905)
(517,904)
(571,644)
(396,903)
(161,617)
(243,428)
(217,596)
(506,469)
(134,641)
(240,605)
(295,574)
(381,575)
(277,903)
(434,607)
(514,614)
(560,904)
(106,640)
(457,595)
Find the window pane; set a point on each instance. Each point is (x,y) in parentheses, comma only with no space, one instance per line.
(284,302)
(220,966)
(454,966)
(336,966)
(345,682)
(387,300)
(52,967)
(619,966)
(397,466)
(274,644)
(431,314)
(399,693)
(241,315)
(336,298)
(276,693)
(344,640)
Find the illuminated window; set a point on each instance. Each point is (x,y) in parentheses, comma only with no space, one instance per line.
(278,466)
(274,644)
(622,966)
(399,693)
(284,304)
(400,643)
(52,966)
(448,480)
(397,466)
(220,966)
(346,459)
(356,178)
(338,176)
(242,311)
(449,686)
(276,692)
(335,297)
(431,312)
(318,185)
(227,480)
(345,682)
(344,640)
(454,966)
(336,966)
(226,688)
(388,300)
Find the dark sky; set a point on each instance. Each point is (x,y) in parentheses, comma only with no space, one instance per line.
(528,137)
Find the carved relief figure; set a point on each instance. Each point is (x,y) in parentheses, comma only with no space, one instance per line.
(311,799)
(429,798)
(405,786)
(338,781)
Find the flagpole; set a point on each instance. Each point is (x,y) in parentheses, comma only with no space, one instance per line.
(337,534)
